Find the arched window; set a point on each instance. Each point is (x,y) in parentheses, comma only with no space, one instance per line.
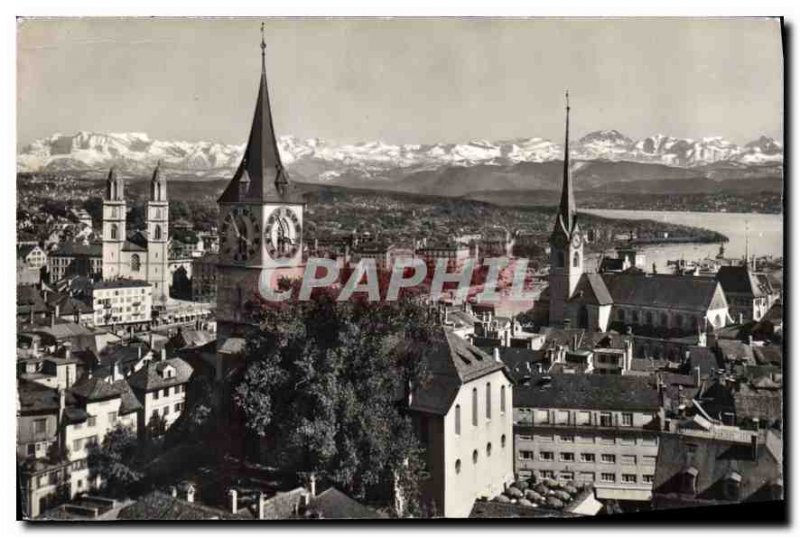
(135,262)
(475,456)
(458,419)
(502,399)
(489,449)
(488,401)
(503,441)
(474,407)
(458,466)
(718,321)
(576,259)
(560,258)
(114,231)
(114,212)
(157,233)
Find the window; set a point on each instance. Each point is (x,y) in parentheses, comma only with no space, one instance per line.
(112,417)
(647,478)
(627,459)
(546,474)
(576,259)
(31,449)
(586,477)
(566,457)
(580,439)
(621,315)
(627,440)
(44,480)
(607,477)
(502,399)
(135,263)
(566,476)
(629,478)
(605,419)
(546,438)
(488,401)
(587,457)
(155,394)
(474,407)
(179,408)
(457,419)
(545,455)
(649,441)
(635,316)
(77,445)
(458,466)
(39,426)
(583,418)
(608,458)
(157,232)
(114,231)
(503,441)
(525,455)
(567,438)
(541,416)
(92,421)
(475,456)
(648,318)
(562,417)
(648,459)
(92,440)
(489,449)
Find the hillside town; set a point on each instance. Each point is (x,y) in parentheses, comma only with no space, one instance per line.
(155,382)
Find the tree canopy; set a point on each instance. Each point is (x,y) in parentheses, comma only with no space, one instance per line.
(114,461)
(326,388)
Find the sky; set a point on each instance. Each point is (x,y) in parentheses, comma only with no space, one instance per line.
(401,80)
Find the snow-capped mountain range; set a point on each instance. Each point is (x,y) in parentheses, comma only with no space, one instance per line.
(318,160)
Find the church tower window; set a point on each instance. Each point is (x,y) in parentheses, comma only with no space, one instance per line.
(135,263)
(157,233)
(114,231)
(576,259)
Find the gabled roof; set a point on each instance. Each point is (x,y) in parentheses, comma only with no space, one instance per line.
(451,362)
(333,504)
(34,397)
(95,389)
(591,289)
(25,249)
(261,175)
(713,462)
(599,392)
(159,506)
(739,279)
(77,249)
(150,377)
(664,291)
(129,403)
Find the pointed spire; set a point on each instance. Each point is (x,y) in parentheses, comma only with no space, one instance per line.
(566,209)
(115,187)
(158,184)
(261,162)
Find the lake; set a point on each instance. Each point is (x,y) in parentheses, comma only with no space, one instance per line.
(765,232)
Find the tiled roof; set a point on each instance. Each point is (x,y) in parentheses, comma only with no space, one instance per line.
(34,397)
(601,392)
(736,351)
(764,404)
(159,506)
(120,283)
(739,280)
(703,358)
(95,389)
(769,354)
(713,460)
(129,403)
(77,249)
(451,362)
(332,504)
(150,377)
(591,289)
(662,291)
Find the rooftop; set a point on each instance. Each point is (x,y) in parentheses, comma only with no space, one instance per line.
(601,392)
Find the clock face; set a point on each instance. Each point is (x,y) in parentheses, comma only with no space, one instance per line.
(282,234)
(577,239)
(240,235)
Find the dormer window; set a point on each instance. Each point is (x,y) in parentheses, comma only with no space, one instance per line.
(689,480)
(168,372)
(732,484)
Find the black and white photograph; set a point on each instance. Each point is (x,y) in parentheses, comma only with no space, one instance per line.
(344,268)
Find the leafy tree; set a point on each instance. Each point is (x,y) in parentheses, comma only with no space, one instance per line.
(114,461)
(326,389)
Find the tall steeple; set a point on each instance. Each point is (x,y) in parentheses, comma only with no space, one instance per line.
(261,162)
(565,219)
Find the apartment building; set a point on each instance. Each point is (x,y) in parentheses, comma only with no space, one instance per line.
(600,429)
(122,302)
(160,386)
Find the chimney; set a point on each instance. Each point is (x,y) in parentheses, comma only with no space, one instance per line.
(261,500)
(575,342)
(139,351)
(496,354)
(234,496)
(754,447)
(697,375)
(750,340)
(163,354)
(312,485)
(116,373)
(173,491)
(62,403)
(190,493)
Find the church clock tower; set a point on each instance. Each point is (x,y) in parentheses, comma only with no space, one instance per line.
(566,245)
(114,233)
(261,222)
